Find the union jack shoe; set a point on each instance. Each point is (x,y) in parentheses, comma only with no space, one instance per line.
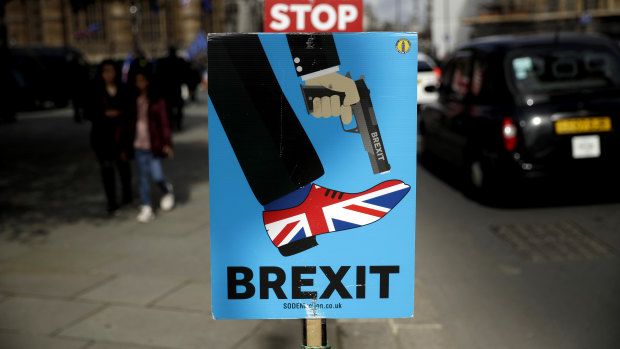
(293,230)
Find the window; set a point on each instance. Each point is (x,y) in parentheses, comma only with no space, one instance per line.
(89,22)
(456,82)
(232,13)
(150,23)
(424,66)
(565,69)
(478,76)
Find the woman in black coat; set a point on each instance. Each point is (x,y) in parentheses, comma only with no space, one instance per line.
(107,109)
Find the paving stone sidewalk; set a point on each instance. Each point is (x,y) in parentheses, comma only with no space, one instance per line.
(73,279)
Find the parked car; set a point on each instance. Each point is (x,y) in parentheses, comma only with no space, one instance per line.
(48,76)
(520,108)
(10,89)
(428,80)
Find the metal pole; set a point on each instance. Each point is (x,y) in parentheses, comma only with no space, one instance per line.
(133,11)
(446,28)
(315,333)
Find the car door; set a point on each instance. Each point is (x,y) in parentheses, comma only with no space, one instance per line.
(489,104)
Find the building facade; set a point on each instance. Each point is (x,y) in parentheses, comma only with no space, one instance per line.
(454,22)
(536,16)
(110,28)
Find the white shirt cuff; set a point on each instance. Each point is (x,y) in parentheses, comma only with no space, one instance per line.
(316,74)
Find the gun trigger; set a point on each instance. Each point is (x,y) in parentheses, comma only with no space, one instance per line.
(353,130)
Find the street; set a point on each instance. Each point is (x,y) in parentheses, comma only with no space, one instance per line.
(493,289)
(528,276)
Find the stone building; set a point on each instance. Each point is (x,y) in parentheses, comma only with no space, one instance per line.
(454,22)
(111,28)
(535,16)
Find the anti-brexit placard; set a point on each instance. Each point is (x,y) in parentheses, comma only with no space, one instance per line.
(312,169)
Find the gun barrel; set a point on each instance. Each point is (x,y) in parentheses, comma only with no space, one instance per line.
(369,129)
(371,138)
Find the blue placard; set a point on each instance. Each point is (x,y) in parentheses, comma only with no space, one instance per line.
(310,219)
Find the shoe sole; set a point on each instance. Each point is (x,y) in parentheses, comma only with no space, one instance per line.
(298,246)
(165,208)
(168,207)
(150,219)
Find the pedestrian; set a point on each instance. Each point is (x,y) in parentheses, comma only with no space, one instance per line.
(107,110)
(151,143)
(173,72)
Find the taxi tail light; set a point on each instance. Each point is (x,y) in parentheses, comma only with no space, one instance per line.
(509,134)
(437,73)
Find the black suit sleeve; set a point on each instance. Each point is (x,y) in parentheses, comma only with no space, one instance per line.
(270,143)
(312,52)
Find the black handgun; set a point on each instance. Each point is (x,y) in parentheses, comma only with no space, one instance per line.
(366,122)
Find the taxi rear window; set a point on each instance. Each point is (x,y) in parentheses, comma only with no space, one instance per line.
(565,69)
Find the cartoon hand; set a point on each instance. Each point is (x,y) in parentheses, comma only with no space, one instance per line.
(332,106)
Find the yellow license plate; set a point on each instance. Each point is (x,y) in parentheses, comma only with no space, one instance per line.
(583,125)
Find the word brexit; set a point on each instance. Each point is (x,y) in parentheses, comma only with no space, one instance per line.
(241,286)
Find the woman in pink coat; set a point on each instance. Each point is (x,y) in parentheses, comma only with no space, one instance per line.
(152,141)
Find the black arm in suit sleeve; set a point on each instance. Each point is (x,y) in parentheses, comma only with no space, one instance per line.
(312,52)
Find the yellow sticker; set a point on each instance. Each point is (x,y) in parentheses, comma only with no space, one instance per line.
(403,46)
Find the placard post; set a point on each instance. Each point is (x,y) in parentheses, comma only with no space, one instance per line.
(315,334)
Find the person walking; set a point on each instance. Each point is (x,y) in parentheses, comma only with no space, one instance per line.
(173,71)
(107,110)
(151,142)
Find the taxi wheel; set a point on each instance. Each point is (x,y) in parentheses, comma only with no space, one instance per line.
(478,179)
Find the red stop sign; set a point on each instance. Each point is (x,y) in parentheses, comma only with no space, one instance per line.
(313,16)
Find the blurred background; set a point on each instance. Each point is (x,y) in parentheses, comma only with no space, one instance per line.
(81,33)
(114,28)
(518,199)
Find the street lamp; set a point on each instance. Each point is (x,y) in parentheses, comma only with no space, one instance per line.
(133,11)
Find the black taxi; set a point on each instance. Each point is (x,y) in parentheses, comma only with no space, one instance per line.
(519,108)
